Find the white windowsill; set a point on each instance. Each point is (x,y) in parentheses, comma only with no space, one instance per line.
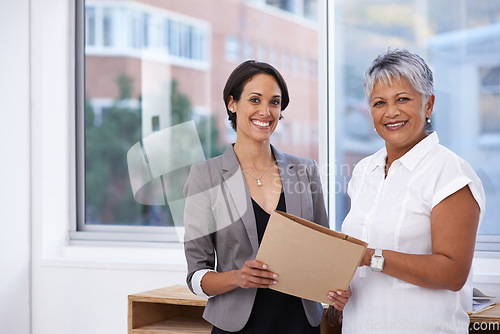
(119,257)
(486,267)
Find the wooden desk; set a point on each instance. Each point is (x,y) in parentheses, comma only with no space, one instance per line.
(176,310)
(486,322)
(173,310)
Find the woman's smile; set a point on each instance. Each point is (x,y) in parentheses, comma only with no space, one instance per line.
(393,126)
(261,124)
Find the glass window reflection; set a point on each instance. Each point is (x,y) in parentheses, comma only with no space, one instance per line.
(152,66)
(459,40)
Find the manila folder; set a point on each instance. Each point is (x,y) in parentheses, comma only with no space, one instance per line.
(311,260)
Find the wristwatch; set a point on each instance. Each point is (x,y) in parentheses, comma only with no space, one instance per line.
(377,261)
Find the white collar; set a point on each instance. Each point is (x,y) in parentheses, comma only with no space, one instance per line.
(411,158)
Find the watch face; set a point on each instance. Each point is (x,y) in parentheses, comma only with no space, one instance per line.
(377,263)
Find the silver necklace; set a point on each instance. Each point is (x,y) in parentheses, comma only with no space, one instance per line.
(259,183)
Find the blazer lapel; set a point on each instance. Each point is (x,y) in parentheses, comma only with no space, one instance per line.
(239,198)
(290,181)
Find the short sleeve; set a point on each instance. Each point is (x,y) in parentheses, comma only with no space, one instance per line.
(450,188)
(455,174)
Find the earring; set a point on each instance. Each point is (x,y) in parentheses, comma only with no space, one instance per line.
(428,121)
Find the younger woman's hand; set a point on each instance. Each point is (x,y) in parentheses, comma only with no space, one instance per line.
(254,274)
(340,298)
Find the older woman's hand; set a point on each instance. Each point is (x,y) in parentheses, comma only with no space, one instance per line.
(366,259)
(340,298)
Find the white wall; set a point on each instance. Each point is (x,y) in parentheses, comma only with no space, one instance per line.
(76,289)
(14,167)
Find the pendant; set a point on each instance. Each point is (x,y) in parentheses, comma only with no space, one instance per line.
(258,182)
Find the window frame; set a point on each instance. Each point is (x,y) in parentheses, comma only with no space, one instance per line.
(487,246)
(81,232)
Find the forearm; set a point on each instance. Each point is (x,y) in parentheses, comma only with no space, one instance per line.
(253,274)
(432,271)
(214,283)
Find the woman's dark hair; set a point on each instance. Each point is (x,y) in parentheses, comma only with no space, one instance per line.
(241,75)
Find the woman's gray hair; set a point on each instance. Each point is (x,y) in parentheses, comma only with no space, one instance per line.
(400,63)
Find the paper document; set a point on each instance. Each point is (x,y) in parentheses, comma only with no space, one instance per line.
(480,301)
(311,260)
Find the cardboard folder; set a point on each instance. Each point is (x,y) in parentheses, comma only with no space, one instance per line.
(311,260)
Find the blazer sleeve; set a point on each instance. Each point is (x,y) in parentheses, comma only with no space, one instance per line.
(319,209)
(199,224)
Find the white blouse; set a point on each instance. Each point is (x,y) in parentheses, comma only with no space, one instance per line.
(393,213)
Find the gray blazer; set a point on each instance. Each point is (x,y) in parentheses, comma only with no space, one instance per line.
(221,232)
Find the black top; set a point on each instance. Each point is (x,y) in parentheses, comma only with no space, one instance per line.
(274,312)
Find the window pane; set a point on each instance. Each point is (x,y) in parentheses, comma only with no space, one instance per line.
(490,99)
(107,27)
(90,26)
(150,67)
(460,42)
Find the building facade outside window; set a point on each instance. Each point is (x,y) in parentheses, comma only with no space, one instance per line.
(490,100)
(459,41)
(176,58)
(150,68)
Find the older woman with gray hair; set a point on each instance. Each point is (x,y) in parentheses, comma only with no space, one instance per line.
(418,205)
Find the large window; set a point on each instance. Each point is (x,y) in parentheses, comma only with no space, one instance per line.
(460,41)
(151,82)
(148,69)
